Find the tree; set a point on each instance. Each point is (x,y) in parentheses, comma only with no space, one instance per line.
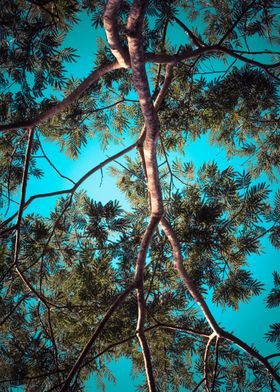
(94,279)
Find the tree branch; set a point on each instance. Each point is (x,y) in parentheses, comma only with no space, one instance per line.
(186,278)
(110,25)
(216,364)
(206,354)
(59,106)
(95,334)
(231,338)
(232,27)
(71,190)
(193,38)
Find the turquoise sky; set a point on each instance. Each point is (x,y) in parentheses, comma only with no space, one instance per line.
(252,320)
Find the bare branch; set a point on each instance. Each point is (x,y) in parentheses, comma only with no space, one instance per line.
(206,354)
(50,162)
(216,363)
(111,29)
(273,356)
(71,190)
(186,278)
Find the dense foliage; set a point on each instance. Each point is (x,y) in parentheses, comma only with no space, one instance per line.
(89,282)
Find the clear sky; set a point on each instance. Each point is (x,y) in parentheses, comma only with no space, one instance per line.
(252,320)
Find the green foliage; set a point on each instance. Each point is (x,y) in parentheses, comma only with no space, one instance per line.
(274,334)
(273,299)
(75,261)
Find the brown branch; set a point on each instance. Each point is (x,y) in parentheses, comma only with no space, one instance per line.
(59,106)
(233,339)
(203,306)
(160,58)
(258,52)
(206,354)
(148,329)
(258,64)
(19,219)
(139,278)
(216,364)
(179,266)
(140,81)
(9,171)
(95,334)
(273,356)
(110,25)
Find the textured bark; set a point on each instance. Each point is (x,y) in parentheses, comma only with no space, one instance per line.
(198,298)
(141,85)
(111,29)
(140,81)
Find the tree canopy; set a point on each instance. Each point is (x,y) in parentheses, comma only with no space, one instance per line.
(88,282)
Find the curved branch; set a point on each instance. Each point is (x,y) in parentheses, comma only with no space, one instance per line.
(166,227)
(273,356)
(203,306)
(59,106)
(244,346)
(50,162)
(140,81)
(206,354)
(158,58)
(110,26)
(70,190)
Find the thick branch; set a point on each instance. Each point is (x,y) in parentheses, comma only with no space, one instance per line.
(111,29)
(141,85)
(139,278)
(206,354)
(140,81)
(160,58)
(219,332)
